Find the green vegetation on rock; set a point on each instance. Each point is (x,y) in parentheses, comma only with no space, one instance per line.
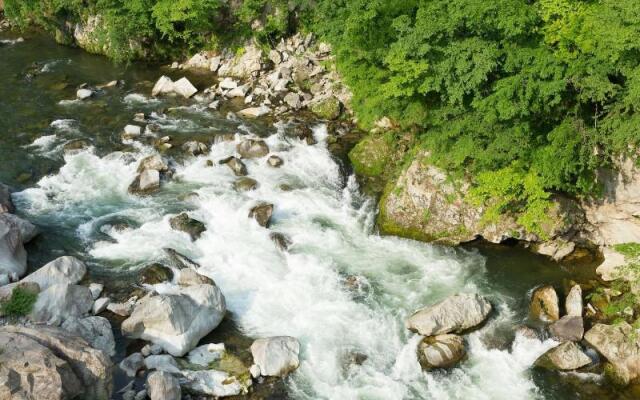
(371,155)
(19,304)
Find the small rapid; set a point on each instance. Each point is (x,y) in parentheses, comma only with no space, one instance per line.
(341,289)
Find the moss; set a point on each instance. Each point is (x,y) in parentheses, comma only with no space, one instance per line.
(329,108)
(631,251)
(19,304)
(371,155)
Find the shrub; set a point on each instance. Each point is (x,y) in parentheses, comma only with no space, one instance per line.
(20,303)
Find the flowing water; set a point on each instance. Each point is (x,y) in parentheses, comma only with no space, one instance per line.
(308,292)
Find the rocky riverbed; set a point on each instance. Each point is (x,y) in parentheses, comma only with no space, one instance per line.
(193,231)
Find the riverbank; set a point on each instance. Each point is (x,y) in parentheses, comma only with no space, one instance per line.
(330,225)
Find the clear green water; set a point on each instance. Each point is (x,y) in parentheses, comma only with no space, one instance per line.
(268,293)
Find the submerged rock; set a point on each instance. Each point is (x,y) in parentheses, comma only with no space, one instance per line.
(245,184)
(281,241)
(442,351)
(50,363)
(184,223)
(276,356)
(567,328)
(180,261)
(237,166)
(262,214)
(178,319)
(252,148)
(163,386)
(620,345)
(566,357)
(544,304)
(456,313)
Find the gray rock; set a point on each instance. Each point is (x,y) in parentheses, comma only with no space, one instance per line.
(293,100)
(189,277)
(132,364)
(254,112)
(566,357)
(245,184)
(164,85)
(60,302)
(141,395)
(13,257)
(252,148)
(237,166)
(184,223)
(456,313)
(95,330)
(6,204)
(123,309)
(95,289)
(163,386)
(155,273)
(573,302)
(206,354)
(100,305)
(544,304)
(28,231)
(567,328)
(276,356)
(163,362)
(180,261)
(228,84)
(83,94)
(195,148)
(442,351)
(184,88)
(154,162)
(620,345)
(177,320)
(148,181)
(7,290)
(132,131)
(262,214)
(211,383)
(50,363)
(63,270)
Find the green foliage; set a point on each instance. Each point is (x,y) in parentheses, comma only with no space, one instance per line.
(20,303)
(631,251)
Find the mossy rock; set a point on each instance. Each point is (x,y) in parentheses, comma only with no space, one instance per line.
(155,273)
(329,108)
(371,155)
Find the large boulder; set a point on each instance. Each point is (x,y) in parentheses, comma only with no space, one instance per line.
(276,356)
(95,330)
(566,357)
(6,205)
(28,231)
(60,302)
(13,257)
(244,65)
(178,318)
(50,363)
(567,328)
(544,304)
(147,182)
(63,270)
(456,314)
(164,85)
(184,88)
(162,385)
(252,148)
(620,345)
(442,351)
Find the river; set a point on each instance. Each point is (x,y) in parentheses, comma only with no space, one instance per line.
(77,198)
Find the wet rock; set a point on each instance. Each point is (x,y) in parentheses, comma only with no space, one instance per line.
(211,383)
(254,112)
(154,274)
(527,332)
(177,320)
(184,223)
(163,362)
(76,145)
(132,364)
(252,148)
(275,161)
(189,276)
(281,241)
(329,108)
(63,270)
(184,88)
(620,345)
(100,305)
(163,386)
(206,354)
(456,313)
(566,357)
(147,182)
(195,148)
(28,231)
(83,94)
(49,363)
(442,351)
(567,328)
(153,162)
(6,204)
(13,257)
(180,261)
(573,302)
(95,330)
(245,184)
(60,302)
(276,356)
(237,166)
(262,214)
(544,304)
